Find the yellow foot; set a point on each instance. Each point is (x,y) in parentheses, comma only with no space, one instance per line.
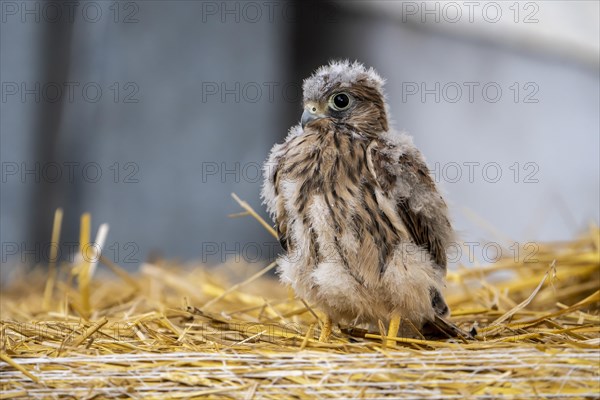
(393,329)
(325,330)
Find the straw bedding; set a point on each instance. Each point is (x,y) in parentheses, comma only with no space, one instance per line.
(186,331)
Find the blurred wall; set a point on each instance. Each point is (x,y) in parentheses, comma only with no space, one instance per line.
(149,114)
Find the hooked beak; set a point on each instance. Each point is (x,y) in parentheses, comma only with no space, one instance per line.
(309,115)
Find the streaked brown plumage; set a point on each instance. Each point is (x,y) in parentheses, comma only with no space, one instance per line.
(363,224)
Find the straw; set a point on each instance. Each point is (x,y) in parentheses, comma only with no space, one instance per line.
(170,330)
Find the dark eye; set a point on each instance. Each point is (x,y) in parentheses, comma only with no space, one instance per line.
(340,101)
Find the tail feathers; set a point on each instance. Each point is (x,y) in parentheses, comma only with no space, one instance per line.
(442,328)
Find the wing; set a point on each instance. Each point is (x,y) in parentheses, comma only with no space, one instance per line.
(280,216)
(404,176)
(271,196)
(427,227)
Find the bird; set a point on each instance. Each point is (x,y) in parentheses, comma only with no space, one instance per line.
(363,226)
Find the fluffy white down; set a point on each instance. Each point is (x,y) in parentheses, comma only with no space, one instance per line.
(341,72)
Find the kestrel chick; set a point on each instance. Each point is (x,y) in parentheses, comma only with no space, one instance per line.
(364,227)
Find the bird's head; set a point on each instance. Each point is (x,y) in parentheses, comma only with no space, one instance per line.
(346,93)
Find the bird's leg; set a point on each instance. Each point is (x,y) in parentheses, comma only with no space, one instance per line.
(325,330)
(393,329)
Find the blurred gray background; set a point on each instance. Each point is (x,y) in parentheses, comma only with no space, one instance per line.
(148,114)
